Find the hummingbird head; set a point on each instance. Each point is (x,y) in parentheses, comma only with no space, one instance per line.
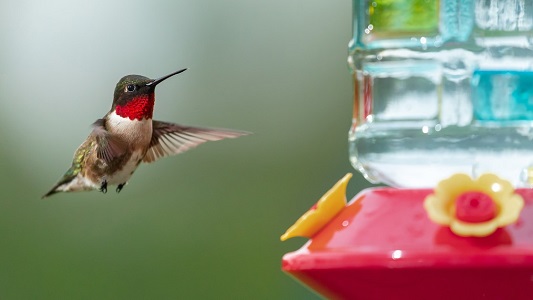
(134,96)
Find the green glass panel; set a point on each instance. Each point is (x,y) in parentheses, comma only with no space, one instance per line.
(397,16)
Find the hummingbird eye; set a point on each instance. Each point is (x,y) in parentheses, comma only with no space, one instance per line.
(130,88)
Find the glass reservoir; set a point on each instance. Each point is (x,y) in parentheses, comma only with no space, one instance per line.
(442,87)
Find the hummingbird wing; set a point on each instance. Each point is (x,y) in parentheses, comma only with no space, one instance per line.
(171,139)
(109,147)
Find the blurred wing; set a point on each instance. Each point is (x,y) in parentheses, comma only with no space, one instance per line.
(108,147)
(171,139)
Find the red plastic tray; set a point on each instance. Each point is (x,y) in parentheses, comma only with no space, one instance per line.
(383,246)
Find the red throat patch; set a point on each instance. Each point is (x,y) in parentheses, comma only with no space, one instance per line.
(141,107)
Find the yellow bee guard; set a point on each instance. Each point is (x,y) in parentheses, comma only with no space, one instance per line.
(321,213)
(442,206)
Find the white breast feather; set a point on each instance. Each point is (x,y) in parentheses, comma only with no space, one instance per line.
(136,133)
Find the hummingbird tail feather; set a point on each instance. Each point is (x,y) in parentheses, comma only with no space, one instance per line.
(71,182)
(59,187)
(50,193)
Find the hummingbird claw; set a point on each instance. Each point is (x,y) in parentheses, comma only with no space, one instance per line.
(103,187)
(120,186)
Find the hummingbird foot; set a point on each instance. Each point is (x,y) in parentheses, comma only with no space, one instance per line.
(103,187)
(120,186)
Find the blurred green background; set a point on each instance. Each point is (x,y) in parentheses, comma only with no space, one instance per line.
(202,225)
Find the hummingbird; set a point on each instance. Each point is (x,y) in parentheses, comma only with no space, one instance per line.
(127,135)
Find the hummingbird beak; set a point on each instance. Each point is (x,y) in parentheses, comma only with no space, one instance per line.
(158,80)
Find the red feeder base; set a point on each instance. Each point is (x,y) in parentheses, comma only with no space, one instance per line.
(383,246)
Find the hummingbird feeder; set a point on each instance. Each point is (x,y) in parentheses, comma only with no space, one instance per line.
(443,115)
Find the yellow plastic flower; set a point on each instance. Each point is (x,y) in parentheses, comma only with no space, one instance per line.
(321,213)
(474,207)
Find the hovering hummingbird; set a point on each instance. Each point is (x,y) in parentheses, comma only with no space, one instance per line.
(127,136)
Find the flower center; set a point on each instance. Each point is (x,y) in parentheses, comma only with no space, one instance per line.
(474,207)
